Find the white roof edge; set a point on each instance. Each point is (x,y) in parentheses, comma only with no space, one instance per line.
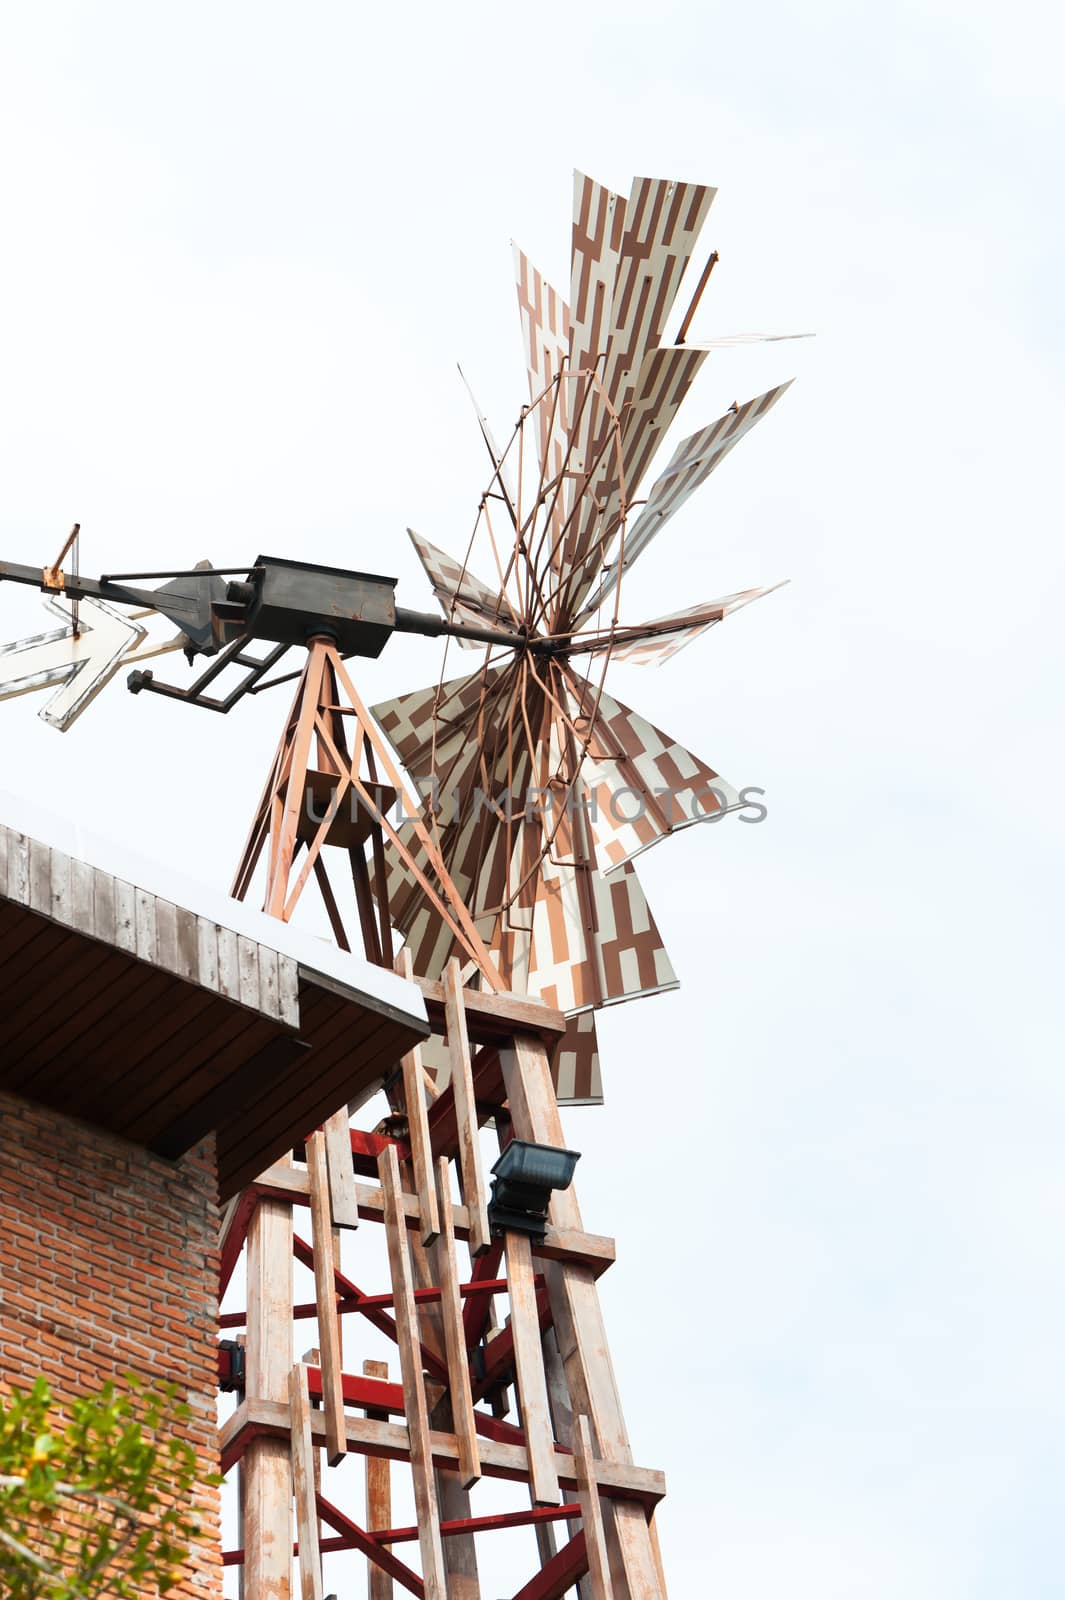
(316,957)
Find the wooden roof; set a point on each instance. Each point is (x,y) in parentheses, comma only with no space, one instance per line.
(162,1024)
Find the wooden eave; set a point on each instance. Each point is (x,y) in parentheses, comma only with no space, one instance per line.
(159,1025)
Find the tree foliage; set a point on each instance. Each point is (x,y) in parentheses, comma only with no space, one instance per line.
(98,1501)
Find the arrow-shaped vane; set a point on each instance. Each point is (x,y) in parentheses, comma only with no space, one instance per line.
(83,665)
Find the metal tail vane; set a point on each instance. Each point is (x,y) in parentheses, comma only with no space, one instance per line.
(536,788)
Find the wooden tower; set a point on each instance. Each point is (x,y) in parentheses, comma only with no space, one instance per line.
(502,1354)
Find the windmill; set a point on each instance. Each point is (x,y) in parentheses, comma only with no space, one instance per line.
(493,820)
(539,786)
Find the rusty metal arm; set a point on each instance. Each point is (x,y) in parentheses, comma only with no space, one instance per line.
(79,588)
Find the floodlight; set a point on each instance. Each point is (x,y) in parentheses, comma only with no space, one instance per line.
(525,1177)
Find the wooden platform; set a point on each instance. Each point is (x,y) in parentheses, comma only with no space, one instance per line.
(161,1024)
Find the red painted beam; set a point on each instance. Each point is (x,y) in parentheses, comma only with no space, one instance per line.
(475,1312)
(499,1352)
(390,1536)
(238,1232)
(507,1519)
(366,1147)
(368,1546)
(326,1547)
(237,1446)
(306,1310)
(561,1573)
(380,1319)
(377,1393)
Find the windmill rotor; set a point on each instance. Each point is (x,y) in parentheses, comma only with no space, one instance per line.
(539,786)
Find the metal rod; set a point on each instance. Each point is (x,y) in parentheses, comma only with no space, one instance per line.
(71,536)
(184,572)
(697,296)
(433,627)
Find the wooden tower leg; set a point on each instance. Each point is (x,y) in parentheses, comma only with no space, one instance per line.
(359,772)
(432,1265)
(378,1495)
(267,1535)
(580,1328)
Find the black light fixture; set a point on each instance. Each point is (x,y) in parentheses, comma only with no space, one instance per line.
(524,1178)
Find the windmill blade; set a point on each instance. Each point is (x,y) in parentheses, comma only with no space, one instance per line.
(576,967)
(663,219)
(575,1068)
(568,935)
(639,784)
(693,461)
(727,340)
(462,596)
(651,643)
(408,720)
(598,229)
(665,379)
(575,1065)
(468,771)
(545,330)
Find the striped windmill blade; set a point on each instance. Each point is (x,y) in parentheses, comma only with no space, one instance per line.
(455,744)
(594,941)
(638,784)
(693,461)
(598,229)
(662,222)
(575,1068)
(665,378)
(412,721)
(651,643)
(462,597)
(726,341)
(532,938)
(545,330)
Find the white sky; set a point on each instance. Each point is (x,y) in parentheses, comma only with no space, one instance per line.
(245,246)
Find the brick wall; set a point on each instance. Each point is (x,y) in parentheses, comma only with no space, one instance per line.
(109,1264)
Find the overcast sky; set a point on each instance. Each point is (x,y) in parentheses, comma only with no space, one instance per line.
(244,248)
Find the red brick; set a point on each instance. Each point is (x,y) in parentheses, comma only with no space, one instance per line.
(109,1263)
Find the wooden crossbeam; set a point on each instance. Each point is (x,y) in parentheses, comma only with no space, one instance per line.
(619,1482)
(561,1243)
